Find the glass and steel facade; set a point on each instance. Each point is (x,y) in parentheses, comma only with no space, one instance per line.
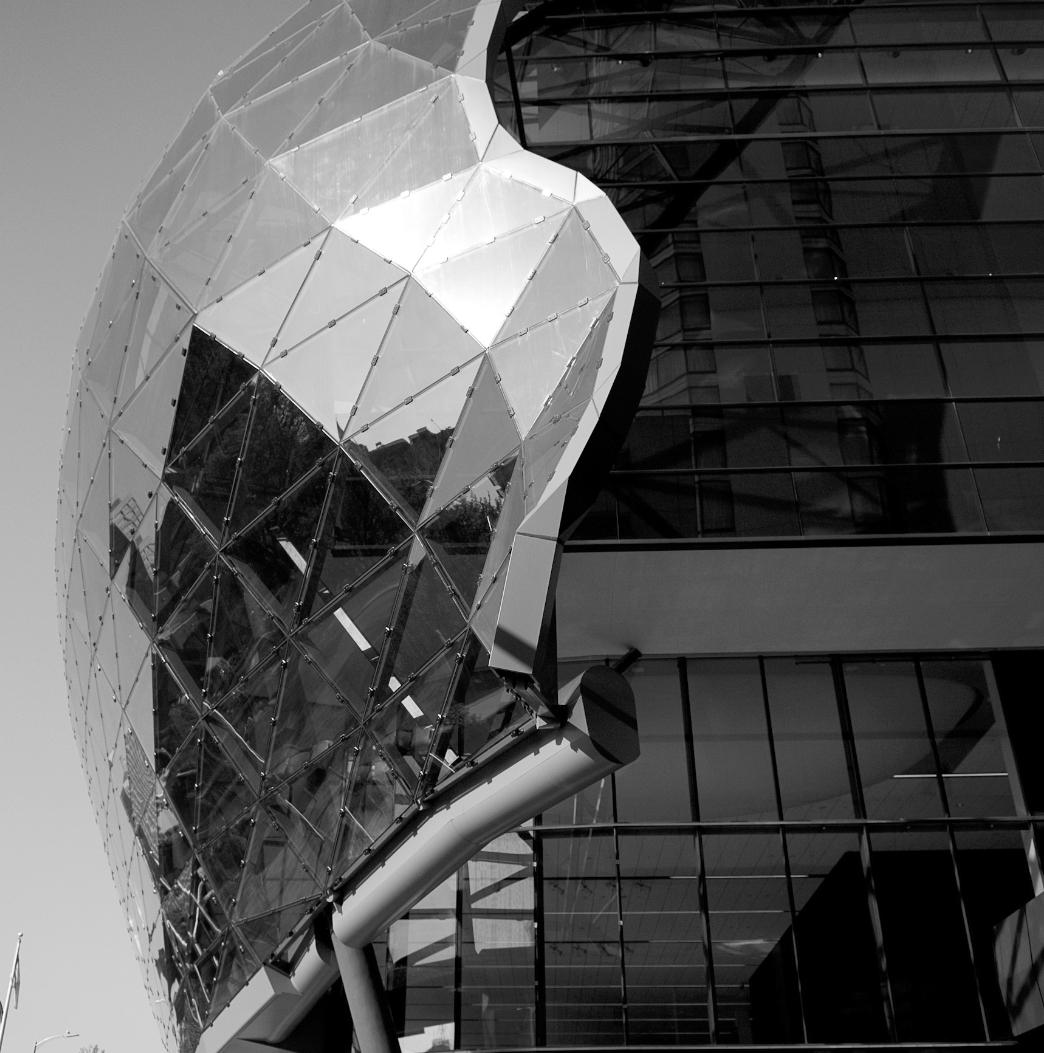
(844,206)
(809,850)
(278,613)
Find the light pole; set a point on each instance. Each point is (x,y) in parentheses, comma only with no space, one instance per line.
(49,1038)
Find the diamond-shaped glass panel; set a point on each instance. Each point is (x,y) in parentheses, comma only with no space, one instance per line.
(406,447)
(346,641)
(282,446)
(271,557)
(360,529)
(213,376)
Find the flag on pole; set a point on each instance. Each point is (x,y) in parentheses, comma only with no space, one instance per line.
(13,986)
(16,982)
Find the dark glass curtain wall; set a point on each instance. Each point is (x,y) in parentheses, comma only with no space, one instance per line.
(845,208)
(809,850)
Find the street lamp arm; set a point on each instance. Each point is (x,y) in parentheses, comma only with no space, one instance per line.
(65,1034)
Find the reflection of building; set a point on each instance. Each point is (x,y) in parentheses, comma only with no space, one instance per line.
(822,534)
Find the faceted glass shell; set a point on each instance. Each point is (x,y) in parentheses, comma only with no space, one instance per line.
(343,337)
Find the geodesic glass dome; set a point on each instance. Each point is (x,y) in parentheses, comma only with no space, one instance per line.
(348,333)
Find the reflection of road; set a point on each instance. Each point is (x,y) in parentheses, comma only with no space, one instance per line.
(356,634)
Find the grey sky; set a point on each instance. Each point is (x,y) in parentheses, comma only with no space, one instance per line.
(90,92)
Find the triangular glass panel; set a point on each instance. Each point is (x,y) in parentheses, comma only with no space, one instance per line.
(376,77)
(572,270)
(94,520)
(267,122)
(180,778)
(104,364)
(138,711)
(438,40)
(338,32)
(68,473)
(244,634)
(184,553)
(406,723)
(241,753)
(345,276)
(94,430)
(250,708)
(274,875)
(296,26)
(312,719)
(228,163)
(139,587)
(223,793)
(119,283)
(229,91)
(401,229)
(265,933)
(185,634)
(78,652)
(200,121)
(492,205)
(148,217)
(427,620)
(300,834)
(96,588)
(376,798)
(484,436)
(161,317)
(359,530)
(236,968)
(105,646)
(177,714)
(271,557)
(379,16)
(313,799)
(213,376)
(278,221)
(249,318)
(145,420)
(76,604)
(532,364)
(480,709)
(462,283)
(333,168)
(325,374)
(486,610)
(225,857)
(282,447)
(188,258)
(137,790)
(204,474)
(409,143)
(423,343)
(134,486)
(406,447)
(132,643)
(440,141)
(554,427)
(345,642)
(461,534)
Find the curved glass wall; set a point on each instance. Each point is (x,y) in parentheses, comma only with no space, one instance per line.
(845,208)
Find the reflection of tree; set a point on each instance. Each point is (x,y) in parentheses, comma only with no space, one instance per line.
(283,444)
(410,464)
(212,376)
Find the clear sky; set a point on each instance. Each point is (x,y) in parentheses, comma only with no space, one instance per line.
(90,93)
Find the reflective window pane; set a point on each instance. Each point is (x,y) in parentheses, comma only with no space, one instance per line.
(814,779)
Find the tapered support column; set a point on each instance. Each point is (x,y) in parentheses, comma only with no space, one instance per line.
(367,1001)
